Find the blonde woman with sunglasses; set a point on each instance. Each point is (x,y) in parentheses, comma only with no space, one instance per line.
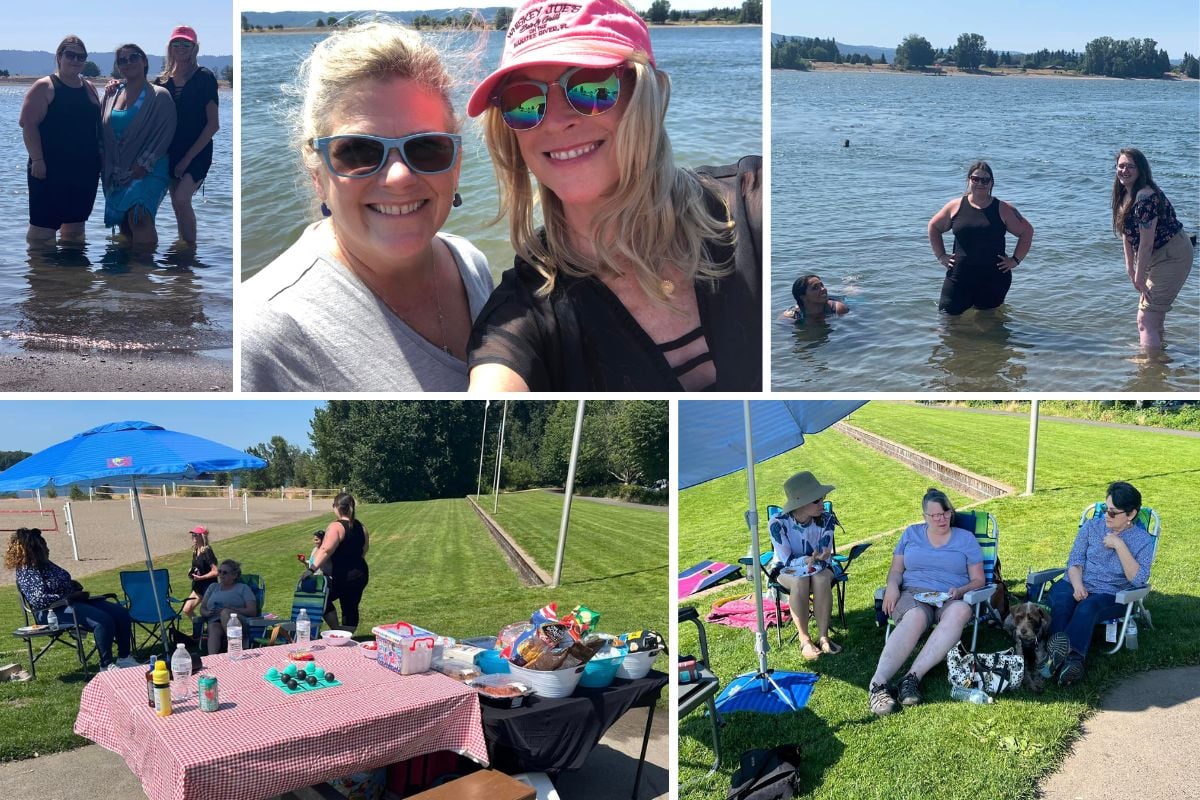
(646,276)
(373,297)
(60,123)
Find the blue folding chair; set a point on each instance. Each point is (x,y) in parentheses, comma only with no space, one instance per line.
(139,600)
(987,533)
(310,596)
(1037,583)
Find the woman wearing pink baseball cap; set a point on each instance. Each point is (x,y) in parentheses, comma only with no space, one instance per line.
(204,568)
(194,89)
(646,276)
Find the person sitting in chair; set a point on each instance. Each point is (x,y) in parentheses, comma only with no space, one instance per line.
(802,535)
(44,583)
(930,557)
(1112,552)
(226,597)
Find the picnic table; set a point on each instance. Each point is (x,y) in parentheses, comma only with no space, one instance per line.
(263,742)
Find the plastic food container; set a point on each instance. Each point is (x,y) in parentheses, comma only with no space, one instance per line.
(492,663)
(549,683)
(404,648)
(501,690)
(601,670)
(369,649)
(457,670)
(337,638)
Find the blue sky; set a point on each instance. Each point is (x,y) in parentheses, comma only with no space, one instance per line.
(34,425)
(1022,25)
(103,26)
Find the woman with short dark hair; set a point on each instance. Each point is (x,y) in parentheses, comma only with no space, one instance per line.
(1111,553)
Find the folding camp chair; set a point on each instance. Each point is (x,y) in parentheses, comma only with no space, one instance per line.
(840,564)
(73,633)
(310,596)
(252,627)
(703,690)
(1037,583)
(987,533)
(139,600)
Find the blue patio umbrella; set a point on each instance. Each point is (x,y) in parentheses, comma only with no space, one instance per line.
(719,437)
(128,450)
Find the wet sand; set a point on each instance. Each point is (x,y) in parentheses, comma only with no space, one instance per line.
(71,371)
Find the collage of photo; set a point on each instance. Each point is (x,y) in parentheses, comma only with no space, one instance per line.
(277,268)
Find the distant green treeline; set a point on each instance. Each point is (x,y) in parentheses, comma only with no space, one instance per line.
(1127,58)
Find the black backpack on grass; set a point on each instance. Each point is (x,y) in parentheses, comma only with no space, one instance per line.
(767,774)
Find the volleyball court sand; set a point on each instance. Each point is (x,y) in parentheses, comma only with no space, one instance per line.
(107,536)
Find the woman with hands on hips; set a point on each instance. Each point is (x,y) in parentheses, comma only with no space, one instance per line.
(979,273)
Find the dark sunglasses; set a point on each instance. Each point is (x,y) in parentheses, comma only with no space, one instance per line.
(591,91)
(1113,513)
(984,179)
(360,155)
(182,43)
(74,55)
(132,58)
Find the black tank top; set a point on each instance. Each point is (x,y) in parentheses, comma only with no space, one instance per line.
(978,234)
(349,554)
(70,131)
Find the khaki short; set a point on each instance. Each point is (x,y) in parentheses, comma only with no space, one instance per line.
(908,602)
(1169,268)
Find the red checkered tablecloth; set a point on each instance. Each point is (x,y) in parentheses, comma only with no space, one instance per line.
(263,742)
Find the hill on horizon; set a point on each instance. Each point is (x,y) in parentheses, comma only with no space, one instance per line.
(308,19)
(40,62)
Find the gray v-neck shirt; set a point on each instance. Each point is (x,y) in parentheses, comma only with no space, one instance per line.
(307,323)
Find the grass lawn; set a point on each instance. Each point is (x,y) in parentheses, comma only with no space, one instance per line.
(432,563)
(941,748)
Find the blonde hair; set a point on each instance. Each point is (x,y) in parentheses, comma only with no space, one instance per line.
(658,215)
(169,60)
(342,62)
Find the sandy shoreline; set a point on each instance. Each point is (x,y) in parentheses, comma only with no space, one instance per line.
(72,371)
(954,72)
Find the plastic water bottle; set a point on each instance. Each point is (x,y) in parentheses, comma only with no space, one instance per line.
(1131,635)
(971,695)
(303,631)
(52,619)
(181,669)
(233,632)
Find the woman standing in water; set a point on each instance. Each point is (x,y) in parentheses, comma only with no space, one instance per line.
(138,123)
(194,89)
(978,274)
(1158,254)
(60,122)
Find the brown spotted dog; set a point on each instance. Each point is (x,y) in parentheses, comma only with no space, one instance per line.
(1029,624)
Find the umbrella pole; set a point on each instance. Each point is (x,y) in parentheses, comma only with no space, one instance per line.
(162,626)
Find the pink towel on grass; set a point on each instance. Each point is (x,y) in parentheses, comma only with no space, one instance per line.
(739,613)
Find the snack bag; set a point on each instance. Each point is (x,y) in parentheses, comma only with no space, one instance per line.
(547,613)
(643,641)
(582,620)
(509,635)
(583,652)
(544,648)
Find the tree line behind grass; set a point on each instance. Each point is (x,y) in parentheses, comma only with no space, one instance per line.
(419,450)
(1129,58)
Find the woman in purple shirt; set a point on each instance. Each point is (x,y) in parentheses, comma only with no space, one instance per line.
(1112,552)
(929,557)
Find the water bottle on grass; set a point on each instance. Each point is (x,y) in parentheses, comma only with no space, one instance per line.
(303,631)
(971,695)
(181,670)
(233,632)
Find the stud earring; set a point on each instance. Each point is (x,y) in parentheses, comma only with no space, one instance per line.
(325,212)
(457,200)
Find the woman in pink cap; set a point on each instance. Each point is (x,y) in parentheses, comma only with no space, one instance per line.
(194,89)
(646,276)
(204,568)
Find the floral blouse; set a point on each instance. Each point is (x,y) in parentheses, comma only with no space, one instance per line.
(1152,206)
(46,586)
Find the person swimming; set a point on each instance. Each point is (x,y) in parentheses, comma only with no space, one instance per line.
(812,301)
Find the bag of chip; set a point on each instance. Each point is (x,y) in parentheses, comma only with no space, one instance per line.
(582,620)
(643,641)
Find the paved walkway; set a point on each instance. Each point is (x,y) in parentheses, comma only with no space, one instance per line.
(92,771)
(1141,743)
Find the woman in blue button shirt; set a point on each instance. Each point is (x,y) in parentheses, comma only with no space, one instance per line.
(1112,552)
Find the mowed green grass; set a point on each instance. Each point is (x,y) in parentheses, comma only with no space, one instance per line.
(942,748)
(432,563)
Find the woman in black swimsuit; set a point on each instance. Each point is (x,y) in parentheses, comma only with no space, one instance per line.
(60,122)
(978,274)
(194,89)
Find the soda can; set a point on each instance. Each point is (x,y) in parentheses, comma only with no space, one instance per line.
(208,693)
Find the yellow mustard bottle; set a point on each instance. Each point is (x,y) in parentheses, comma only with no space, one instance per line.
(162,689)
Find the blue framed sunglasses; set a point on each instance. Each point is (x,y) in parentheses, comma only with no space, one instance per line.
(591,91)
(361,155)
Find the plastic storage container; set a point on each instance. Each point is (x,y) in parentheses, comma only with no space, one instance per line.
(404,648)
(501,690)
(601,670)
(549,683)
(490,662)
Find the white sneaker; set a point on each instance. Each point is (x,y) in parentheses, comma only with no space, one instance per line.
(128,661)
(111,667)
